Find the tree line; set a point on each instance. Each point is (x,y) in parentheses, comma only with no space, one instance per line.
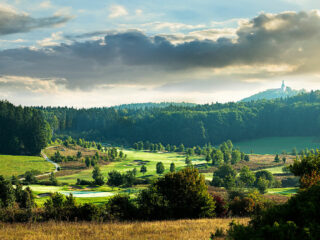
(192,125)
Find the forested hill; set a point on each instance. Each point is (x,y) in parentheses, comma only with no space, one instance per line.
(22,130)
(196,125)
(273,94)
(136,106)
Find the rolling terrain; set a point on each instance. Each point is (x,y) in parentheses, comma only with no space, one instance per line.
(18,165)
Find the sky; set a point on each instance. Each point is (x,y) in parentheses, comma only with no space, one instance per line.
(86,53)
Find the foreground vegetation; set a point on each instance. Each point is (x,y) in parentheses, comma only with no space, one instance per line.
(179,229)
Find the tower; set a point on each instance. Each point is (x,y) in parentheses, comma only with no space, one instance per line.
(283,87)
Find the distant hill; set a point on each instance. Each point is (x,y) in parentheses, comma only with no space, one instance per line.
(282,92)
(136,106)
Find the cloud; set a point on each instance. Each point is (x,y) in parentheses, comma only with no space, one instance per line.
(267,46)
(138,12)
(34,85)
(117,11)
(173,27)
(13,22)
(45,5)
(51,41)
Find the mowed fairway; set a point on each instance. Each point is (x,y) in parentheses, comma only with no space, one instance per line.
(273,145)
(179,229)
(18,165)
(135,159)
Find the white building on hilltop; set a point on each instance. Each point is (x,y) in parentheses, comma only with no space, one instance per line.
(283,87)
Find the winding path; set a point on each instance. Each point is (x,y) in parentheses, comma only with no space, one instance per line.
(50,161)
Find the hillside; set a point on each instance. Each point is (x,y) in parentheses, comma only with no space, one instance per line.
(197,125)
(283,92)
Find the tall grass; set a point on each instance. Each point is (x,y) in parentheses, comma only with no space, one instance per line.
(166,230)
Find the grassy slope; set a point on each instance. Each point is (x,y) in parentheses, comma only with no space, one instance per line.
(17,165)
(273,145)
(283,191)
(130,163)
(179,229)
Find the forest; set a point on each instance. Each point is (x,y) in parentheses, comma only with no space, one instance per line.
(191,125)
(23,130)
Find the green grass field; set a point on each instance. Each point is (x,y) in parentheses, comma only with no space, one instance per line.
(135,159)
(18,165)
(274,170)
(283,191)
(41,189)
(273,145)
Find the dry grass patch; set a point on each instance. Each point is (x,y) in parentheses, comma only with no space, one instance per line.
(179,229)
(72,150)
(259,162)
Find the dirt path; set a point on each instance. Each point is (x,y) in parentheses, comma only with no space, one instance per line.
(50,161)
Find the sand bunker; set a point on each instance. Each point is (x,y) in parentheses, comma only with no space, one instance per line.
(88,194)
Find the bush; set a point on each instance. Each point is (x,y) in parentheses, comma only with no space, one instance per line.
(296,219)
(182,194)
(221,209)
(247,204)
(120,207)
(83,182)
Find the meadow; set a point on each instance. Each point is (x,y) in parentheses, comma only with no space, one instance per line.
(178,229)
(135,159)
(18,165)
(273,145)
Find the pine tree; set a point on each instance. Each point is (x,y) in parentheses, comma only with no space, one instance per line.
(172,167)
(97,176)
(143,169)
(160,168)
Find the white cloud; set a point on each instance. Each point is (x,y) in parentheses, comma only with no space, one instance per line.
(139,12)
(51,41)
(45,5)
(19,40)
(117,11)
(35,85)
(7,8)
(173,27)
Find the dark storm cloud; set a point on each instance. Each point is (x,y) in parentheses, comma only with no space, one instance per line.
(132,57)
(12,22)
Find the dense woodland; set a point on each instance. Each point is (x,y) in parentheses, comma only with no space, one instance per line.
(191,125)
(23,130)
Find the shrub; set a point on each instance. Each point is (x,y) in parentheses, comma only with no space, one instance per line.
(182,194)
(221,209)
(247,204)
(296,219)
(120,207)
(83,182)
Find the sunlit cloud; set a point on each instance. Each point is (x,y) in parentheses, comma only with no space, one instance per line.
(117,11)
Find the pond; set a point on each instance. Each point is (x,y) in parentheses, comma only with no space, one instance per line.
(87,194)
